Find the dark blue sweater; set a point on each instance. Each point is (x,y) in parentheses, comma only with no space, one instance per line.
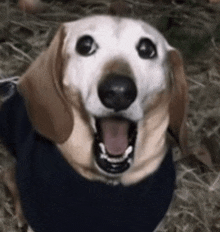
(57,199)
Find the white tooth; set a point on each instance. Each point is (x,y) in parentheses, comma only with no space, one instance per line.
(121,159)
(103,156)
(128,151)
(93,124)
(113,160)
(102,146)
(116,160)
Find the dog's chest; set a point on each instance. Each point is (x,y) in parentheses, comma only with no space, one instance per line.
(63,199)
(55,198)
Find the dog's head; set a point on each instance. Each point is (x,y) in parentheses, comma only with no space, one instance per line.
(107,90)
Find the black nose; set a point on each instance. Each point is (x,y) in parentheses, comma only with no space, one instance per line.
(117,92)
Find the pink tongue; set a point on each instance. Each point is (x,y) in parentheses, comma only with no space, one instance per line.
(115,135)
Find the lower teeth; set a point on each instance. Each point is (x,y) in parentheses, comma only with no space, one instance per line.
(129,150)
(104,155)
(102,147)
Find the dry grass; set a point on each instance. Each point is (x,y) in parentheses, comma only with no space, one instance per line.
(194,28)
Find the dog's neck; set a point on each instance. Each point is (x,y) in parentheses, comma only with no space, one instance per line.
(150,149)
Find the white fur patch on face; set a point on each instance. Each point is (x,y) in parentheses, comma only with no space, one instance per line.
(112,39)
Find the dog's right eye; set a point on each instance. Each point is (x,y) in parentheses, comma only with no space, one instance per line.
(86,46)
(146,49)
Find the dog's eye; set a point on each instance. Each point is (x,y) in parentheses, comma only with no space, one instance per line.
(146,49)
(86,46)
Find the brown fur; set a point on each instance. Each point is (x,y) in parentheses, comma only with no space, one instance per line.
(179,101)
(42,89)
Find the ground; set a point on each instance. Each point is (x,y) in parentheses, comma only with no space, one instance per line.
(194,28)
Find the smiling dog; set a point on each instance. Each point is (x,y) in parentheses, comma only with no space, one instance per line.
(92,150)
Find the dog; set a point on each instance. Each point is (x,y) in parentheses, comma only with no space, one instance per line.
(90,124)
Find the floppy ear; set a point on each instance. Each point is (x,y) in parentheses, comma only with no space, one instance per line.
(179,101)
(41,87)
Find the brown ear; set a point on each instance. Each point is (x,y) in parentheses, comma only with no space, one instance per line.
(41,87)
(179,101)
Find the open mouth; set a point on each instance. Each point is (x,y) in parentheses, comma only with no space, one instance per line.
(114,144)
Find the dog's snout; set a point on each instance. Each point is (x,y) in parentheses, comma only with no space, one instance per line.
(117,92)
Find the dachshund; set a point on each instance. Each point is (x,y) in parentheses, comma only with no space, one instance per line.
(90,124)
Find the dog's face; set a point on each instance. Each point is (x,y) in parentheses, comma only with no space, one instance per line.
(118,53)
(114,81)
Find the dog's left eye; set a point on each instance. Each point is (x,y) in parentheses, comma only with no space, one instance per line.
(86,46)
(146,49)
